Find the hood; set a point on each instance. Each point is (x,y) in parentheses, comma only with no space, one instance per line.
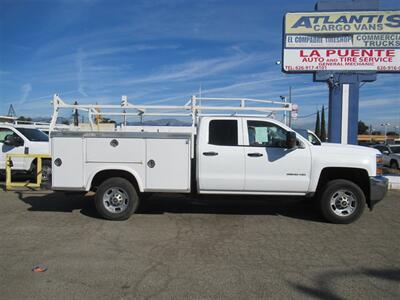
(345,156)
(348,148)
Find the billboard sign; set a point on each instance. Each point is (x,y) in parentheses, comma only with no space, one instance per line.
(342,41)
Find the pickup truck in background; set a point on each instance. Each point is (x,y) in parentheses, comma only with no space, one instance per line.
(24,139)
(239,155)
(391,155)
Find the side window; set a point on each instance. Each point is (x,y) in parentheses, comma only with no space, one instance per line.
(381,148)
(266,134)
(223,133)
(3,133)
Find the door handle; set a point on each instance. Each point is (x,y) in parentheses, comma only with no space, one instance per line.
(211,153)
(254,154)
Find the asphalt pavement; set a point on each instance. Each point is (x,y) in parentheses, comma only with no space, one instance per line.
(209,248)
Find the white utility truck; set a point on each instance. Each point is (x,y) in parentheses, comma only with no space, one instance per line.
(218,154)
(24,139)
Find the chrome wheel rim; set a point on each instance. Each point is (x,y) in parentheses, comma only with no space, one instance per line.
(343,203)
(115,200)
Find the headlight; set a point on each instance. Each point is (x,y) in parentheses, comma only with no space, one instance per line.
(379,164)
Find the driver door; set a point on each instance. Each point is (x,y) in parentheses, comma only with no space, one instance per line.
(270,166)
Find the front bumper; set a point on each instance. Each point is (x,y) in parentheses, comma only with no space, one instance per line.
(378,188)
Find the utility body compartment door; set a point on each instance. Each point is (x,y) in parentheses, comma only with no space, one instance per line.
(168,165)
(68,175)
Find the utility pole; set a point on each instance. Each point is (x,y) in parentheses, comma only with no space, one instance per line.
(385,125)
(290,101)
(284,98)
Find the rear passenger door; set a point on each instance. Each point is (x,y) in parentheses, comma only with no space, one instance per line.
(221,156)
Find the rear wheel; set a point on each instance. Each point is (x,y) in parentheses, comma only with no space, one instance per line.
(342,201)
(116,199)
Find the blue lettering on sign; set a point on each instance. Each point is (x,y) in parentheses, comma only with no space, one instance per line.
(303,21)
(392,21)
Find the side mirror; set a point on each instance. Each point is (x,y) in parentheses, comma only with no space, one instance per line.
(13,140)
(291,139)
(385,152)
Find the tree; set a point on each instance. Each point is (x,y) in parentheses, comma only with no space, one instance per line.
(24,120)
(317,125)
(323,126)
(362,128)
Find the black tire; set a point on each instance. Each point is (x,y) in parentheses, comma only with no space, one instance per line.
(46,171)
(341,191)
(394,165)
(117,205)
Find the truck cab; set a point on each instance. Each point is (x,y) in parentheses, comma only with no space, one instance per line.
(251,156)
(22,139)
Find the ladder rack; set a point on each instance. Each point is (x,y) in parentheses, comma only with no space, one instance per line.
(193,108)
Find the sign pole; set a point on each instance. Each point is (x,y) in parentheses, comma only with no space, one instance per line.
(344,90)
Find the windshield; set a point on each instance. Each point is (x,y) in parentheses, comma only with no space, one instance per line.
(395,149)
(33,134)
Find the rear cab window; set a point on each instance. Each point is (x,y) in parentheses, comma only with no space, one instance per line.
(33,134)
(223,132)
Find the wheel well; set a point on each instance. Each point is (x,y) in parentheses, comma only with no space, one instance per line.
(358,176)
(106,174)
(34,163)
(394,160)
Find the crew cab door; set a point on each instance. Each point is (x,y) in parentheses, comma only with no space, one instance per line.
(18,163)
(270,166)
(220,155)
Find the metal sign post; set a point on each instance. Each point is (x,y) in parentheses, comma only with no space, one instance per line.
(344,88)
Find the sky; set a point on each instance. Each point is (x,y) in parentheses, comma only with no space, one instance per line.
(161,51)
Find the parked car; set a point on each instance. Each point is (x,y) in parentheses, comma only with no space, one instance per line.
(22,139)
(391,155)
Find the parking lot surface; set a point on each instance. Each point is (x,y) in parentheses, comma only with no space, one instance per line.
(210,248)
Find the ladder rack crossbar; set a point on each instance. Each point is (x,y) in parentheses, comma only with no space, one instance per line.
(194,107)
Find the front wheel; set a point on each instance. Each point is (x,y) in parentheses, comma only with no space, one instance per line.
(342,201)
(116,199)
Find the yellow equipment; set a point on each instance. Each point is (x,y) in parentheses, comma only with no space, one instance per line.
(39,157)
